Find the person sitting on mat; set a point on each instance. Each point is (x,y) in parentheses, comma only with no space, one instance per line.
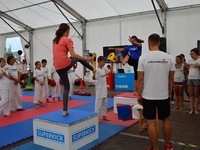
(134,53)
(62,44)
(101,102)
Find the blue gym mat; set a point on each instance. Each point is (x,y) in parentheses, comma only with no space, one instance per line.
(27,93)
(91,105)
(13,133)
(105,131)
(27,105)
(73,117)
(16,132)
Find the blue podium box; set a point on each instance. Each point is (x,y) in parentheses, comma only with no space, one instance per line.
(124,81)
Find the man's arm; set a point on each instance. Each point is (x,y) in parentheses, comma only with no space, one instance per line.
(171,82)
(140,83)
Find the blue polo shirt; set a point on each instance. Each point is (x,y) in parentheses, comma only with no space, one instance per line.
(134,51)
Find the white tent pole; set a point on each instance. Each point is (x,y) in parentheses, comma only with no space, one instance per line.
(31,50)
(69,9)
(164,8)
(2,45)
(84,45)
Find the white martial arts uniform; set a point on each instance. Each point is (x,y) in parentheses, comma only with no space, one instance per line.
(15,92)
(101,102)
(70,76)
(39,93)
(4,93)
(46,84)
(56,91)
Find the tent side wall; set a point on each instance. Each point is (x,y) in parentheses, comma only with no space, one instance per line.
(183,31)
(116,32)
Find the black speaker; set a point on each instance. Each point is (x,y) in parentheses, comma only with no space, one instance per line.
(163,44)
(198,45)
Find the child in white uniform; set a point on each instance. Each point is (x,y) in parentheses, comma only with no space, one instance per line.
(4,88)
(70,76)
(39,85)
(15,92)
(56,91)
(46,84)
(101,103)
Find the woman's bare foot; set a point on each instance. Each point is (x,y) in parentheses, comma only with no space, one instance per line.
(65,113)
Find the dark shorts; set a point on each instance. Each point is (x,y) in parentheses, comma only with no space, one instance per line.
(149,109)
(193,82)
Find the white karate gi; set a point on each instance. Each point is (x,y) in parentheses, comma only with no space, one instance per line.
(101,102)
(39,93)
(70,76)
(4,92)
(46,84)
(56,91)
(15,92)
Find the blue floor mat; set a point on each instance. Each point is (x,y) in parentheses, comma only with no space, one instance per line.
(27,105)
(91,105)
(105,131)
(27,93)
(83,98)
(13,133)
(16,132)
(30,146)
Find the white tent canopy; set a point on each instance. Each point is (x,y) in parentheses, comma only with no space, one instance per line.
(101,23)
(43,13)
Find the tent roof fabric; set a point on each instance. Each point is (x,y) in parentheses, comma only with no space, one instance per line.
(43,13)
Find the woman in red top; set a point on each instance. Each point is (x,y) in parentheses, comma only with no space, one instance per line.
(62,63)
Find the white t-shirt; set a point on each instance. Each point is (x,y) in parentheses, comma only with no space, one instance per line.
(179,74)
(13,70)
(45,70)
(101,84)
(194,72)
(156,66)
(4,81)
(39,74)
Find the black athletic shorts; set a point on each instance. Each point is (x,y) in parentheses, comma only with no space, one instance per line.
(149,109)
